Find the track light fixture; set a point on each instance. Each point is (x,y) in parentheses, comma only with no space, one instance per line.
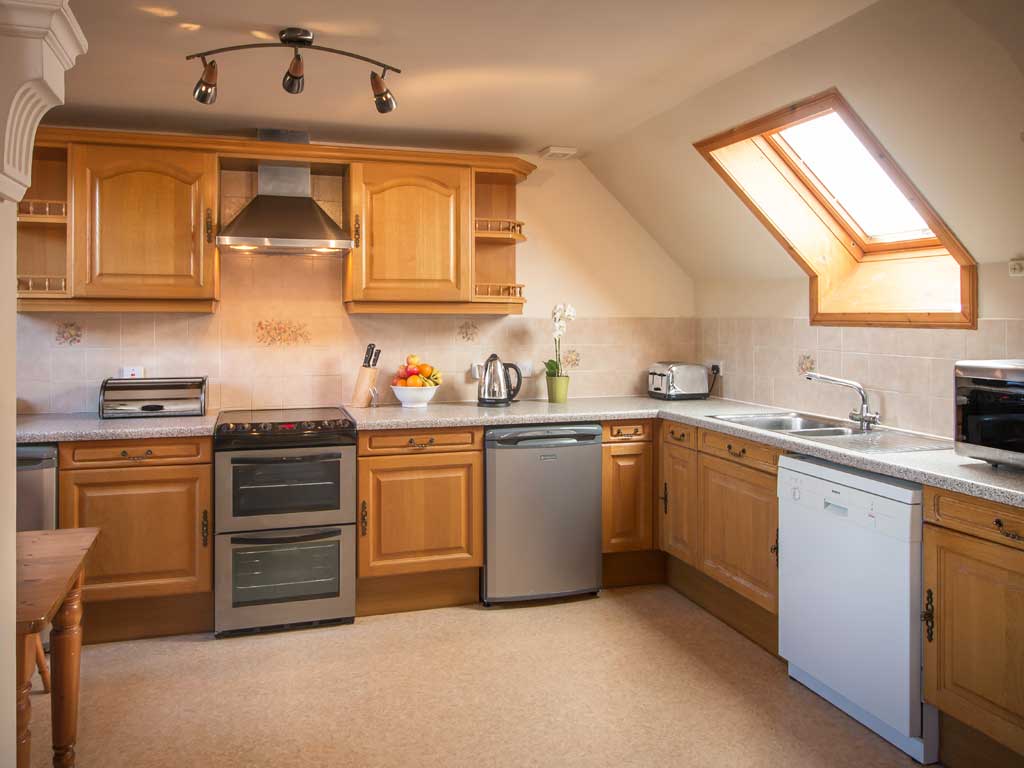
(205,91)
(293,81)
(382,97)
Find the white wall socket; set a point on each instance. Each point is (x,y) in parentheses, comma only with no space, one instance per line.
(1017,268)
(133,372)
(526,366)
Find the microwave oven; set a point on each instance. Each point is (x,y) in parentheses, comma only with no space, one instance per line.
(989,403)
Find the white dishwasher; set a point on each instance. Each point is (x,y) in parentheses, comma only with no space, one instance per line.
(850,596)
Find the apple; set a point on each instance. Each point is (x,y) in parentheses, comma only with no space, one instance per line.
(412,360)
(412,370)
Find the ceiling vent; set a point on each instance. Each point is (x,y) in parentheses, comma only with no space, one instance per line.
(558,153)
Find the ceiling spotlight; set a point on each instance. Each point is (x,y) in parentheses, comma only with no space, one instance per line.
(294,80)
(382,97)
(205,91)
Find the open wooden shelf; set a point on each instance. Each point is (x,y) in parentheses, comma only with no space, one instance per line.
(41,218)
(499,292)
(41,285)
(508,230)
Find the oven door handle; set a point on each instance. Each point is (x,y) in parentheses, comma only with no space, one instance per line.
(238,460)
(272,537)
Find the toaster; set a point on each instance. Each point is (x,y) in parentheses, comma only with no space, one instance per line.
(670,380)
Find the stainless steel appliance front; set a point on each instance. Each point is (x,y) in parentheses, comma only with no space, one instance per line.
(275,488)
(543,512)
(276,578)
(989,403)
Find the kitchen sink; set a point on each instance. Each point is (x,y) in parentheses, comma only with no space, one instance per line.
(786,422)
(839,433)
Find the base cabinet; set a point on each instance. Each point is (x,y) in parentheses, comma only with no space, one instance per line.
(626,497)
(420,512)
(680,508)
(974,637)
(156,535)
(739,514)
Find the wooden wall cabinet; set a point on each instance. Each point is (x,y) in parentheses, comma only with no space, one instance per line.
(156,528)
(974,632)
(415,228)
(739,518)
(626,475)
(680,507)
(144,222)
(420,512)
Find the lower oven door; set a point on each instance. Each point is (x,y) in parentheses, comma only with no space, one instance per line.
(274,488)
(280,577)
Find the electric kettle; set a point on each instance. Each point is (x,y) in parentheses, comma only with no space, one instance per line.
(496,384)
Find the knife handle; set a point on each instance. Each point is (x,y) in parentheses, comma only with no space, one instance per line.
(376,357)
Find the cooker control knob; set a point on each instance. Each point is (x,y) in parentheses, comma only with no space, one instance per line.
(241,427)
(266,426)
(796,494)
(308,425)
(225,427)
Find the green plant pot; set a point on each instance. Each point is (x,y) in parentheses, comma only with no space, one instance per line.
(558,389)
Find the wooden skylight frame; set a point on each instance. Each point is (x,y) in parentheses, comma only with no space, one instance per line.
(828,244)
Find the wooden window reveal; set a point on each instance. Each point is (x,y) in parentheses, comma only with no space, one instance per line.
(913,272)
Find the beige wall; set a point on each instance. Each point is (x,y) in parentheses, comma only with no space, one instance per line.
(583,248)
(942,95)
(8,227)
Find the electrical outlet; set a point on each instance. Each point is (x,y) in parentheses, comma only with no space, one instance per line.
(1017,268)
(526,366)
(133,372)
(715,364)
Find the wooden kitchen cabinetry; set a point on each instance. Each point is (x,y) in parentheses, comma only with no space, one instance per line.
(974,614)
(626,473)
(680,508)
(420,511)
(415,234)
(739,519)
(154,513)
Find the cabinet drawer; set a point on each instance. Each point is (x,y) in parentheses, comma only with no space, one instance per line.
(739,450)
(978,517)
(387,442)
(679,434)
(626,431)
(101,454)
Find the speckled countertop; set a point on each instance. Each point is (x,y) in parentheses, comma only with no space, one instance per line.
(65,427)
(941,468)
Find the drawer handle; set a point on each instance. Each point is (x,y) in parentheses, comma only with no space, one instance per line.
(414,444)
(362,519)
(147,454)
(681,437)
(124,454)
(928,615)
(733,452)
(636,430)
(1011,535)
(206,527)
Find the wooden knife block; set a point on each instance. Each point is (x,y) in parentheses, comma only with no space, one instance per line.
(366,379)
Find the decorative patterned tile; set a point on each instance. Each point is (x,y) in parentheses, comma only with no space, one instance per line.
(282,332)
(68,333)
(469,331)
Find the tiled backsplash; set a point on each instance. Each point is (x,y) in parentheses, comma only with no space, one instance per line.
(281,338)
(908,372)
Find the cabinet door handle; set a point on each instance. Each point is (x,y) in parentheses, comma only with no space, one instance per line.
(774,548)
(205,527)
(356,232)
(664,498)
(681,437)
(928,615)
(1004,531)
(209,225)
(362,519)
(733,452)
(124,454)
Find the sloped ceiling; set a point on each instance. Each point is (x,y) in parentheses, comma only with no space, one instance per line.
(508,76)
(944,96)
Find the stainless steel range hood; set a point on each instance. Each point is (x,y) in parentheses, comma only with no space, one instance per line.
(283,218)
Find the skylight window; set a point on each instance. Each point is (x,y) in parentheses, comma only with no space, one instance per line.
(853,181)
(873,249)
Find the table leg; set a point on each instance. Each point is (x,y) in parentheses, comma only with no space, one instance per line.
(65,658)
(26,666)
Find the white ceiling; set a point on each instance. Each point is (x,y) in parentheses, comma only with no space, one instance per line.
(477,75)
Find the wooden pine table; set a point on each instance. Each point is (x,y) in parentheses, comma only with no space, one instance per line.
(49,576)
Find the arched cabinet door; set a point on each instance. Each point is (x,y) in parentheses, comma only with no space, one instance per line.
(415,233)
(144,223)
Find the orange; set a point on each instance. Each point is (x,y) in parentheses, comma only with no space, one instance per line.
(414,381)
(402,383)
(426,370)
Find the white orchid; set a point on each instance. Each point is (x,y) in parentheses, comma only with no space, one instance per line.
(560,315)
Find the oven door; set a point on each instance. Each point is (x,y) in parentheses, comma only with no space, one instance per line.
(293,576)
(285,488)
(990,419)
